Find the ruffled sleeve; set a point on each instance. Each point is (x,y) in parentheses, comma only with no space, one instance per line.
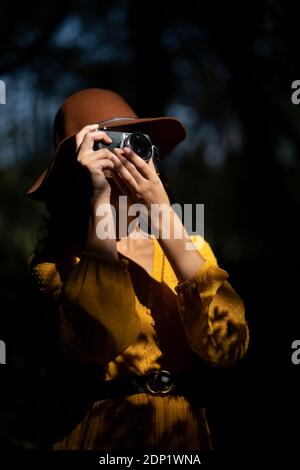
(212,313)
(96,302)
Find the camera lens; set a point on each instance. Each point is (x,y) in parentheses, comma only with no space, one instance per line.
(140,144)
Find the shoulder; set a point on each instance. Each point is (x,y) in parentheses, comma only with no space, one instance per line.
(45,276)
(49,275)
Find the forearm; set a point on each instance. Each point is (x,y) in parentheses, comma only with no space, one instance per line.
(107,246)
(185,262)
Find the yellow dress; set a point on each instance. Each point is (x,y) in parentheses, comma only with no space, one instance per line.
(111,312)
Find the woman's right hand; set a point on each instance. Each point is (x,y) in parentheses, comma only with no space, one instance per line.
(95,161)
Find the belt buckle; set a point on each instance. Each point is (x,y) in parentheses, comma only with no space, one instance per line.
(159,382)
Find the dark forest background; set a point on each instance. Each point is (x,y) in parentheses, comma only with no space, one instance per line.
(225,69)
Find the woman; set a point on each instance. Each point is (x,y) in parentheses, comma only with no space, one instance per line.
(149,313)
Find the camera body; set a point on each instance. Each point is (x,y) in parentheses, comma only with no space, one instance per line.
(140,143)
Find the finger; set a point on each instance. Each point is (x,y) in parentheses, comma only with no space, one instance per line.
(89,127)
(87,158)
(90,138)
(151,164)
(102,153)
(101,165)
(80,135)
(106,164)
(138,162)
(129,166)
(125,175)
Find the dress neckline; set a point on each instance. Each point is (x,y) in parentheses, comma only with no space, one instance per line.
(157,263)
(157,260)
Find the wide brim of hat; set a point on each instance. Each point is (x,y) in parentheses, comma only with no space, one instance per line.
(165,132)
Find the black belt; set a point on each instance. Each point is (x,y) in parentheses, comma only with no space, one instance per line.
(155,382)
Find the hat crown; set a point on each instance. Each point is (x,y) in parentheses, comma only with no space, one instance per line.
(89,106)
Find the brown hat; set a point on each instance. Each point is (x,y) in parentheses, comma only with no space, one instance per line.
(109,109)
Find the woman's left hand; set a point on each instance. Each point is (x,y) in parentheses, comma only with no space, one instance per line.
(138,179)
